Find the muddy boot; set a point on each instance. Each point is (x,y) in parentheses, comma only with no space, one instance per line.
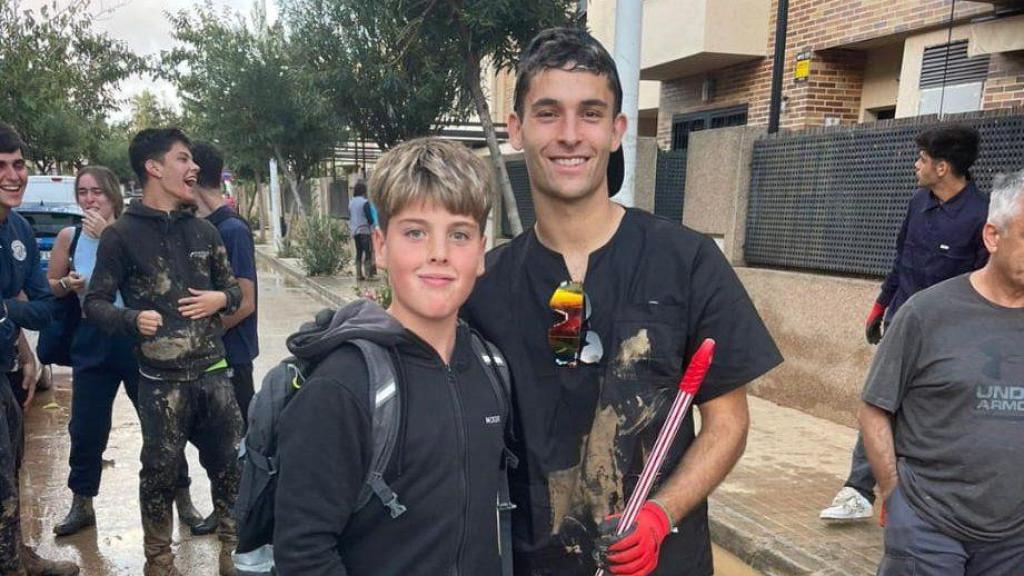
(80,516)
(160,566)
(227,564)
(187,513)
(208,526)
(36,566)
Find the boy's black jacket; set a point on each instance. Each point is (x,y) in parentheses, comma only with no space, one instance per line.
(445,468)
(153,258)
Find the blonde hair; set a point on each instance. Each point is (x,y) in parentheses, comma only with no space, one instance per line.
(431,169)
(107,181)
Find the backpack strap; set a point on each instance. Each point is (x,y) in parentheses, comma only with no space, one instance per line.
(386,411)
(74,245)
(498,374)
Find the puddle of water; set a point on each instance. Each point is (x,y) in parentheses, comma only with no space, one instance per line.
(727,564)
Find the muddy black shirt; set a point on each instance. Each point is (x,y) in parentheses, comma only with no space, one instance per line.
(656,290)
(153,258)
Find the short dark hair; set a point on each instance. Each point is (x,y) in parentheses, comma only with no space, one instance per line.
(10,140)
(211,164)
(955,143)
(569,49)
(152,144)
(359,189)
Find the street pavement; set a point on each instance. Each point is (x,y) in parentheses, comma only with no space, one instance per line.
(114,547)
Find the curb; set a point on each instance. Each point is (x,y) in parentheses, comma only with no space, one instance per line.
(295,273)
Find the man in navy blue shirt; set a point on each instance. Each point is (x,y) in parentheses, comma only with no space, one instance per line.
(940,239)
(240,339)
(19,273)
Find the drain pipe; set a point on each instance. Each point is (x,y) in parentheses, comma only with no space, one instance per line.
(778,66)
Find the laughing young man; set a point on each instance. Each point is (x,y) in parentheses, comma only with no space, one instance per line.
(592,395)
(19,274)
(173,273)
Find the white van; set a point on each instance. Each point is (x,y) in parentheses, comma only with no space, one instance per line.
(50,190)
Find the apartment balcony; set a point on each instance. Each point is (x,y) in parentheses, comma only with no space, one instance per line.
(686,37)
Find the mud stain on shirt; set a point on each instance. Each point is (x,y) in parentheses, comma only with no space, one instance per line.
(166,348)
(593,487)
(632,351)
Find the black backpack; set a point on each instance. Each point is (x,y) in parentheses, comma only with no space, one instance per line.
(254,506)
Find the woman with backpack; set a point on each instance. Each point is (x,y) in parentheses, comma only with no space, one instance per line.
(100,363)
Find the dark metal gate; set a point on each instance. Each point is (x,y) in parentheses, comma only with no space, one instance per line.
(670,184)
(833,200)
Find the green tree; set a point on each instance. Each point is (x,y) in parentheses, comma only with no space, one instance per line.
(387,89)
(111,150)
(149,111)
(245,87)
(483,30)
(59,78)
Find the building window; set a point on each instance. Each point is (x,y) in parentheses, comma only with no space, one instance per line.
(683,124)
(885,113)
(951,81)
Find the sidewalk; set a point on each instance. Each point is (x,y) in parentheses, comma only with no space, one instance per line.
(766,512)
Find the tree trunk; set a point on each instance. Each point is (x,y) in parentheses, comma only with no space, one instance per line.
(484,112)
(293,184)
(261,204)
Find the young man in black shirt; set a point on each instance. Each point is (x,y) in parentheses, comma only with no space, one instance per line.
(598,308)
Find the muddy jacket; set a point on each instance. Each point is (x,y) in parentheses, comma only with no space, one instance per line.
(445,467)
(153,258)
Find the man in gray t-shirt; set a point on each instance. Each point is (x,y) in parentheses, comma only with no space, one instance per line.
(943,414)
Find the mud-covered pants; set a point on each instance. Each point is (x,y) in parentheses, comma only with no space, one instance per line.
(10,460)
(201,411)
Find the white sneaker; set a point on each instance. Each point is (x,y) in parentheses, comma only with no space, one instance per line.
(848,505)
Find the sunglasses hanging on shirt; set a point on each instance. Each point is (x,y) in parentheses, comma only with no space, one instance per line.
(570,341)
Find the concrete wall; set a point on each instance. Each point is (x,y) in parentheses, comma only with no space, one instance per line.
(881,79)
(818,323)
(646,173)
(717,178)
(817,320)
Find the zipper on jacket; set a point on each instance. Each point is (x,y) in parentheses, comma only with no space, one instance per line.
(463,444)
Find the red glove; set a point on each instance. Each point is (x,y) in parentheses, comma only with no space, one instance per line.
(874,323)
(635,553)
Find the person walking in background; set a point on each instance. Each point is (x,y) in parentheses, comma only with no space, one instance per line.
(940,238)
(241,342)
(361,229)
(943,414)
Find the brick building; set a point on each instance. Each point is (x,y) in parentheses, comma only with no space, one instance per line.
(864,60)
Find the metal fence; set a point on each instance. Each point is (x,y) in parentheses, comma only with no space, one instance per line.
(670,184)
(833,200)
(520,179)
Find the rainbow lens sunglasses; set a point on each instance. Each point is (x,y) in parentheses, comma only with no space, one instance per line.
(569,341)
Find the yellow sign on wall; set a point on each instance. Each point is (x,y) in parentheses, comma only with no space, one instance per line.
(803,66)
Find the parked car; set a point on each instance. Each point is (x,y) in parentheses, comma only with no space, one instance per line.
(49,206)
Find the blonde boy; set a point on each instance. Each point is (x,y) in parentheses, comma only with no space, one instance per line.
(433,199)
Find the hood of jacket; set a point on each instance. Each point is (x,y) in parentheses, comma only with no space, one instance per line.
(140,210)
(360,319)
